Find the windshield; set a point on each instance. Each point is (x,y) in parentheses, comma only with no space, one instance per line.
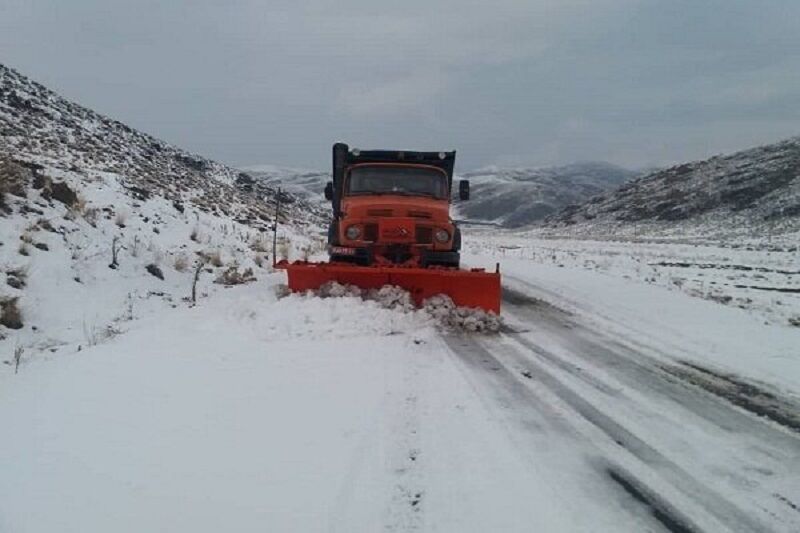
(396,180)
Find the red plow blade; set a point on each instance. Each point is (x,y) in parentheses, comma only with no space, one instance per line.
(467,288)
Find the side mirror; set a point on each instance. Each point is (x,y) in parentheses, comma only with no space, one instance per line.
(463,190)
(329,190)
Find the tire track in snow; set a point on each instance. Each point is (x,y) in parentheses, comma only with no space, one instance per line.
(512,391)
(648,376)
(670,517)
(722,511)
(668,470)
(405,511)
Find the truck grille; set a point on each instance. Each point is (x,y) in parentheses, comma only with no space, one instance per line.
(424,235)
(379,212)
(371,232)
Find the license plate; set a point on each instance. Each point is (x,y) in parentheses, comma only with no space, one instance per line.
(341,250)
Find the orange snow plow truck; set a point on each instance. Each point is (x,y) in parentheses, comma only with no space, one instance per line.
(391,225)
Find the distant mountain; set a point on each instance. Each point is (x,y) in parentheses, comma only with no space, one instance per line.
(307,184)
(747,193)
(516,197)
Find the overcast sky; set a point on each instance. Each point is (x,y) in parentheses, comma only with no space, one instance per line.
(536,82)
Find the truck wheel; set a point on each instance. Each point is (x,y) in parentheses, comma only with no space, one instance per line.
(333,233)
(457,239)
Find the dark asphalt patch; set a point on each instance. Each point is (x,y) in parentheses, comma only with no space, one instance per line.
(746,395)
(661,511)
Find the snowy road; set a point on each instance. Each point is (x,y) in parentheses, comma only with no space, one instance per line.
(248,413)
(667,436)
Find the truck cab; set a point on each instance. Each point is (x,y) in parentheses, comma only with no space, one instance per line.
(392,207)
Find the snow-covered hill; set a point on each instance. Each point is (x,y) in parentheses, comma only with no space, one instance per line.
(100,223)
(515,197)
(753,193)
(40,128)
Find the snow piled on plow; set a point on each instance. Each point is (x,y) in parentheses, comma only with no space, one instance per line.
(439,310)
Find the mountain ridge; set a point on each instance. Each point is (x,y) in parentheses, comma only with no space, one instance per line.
(747,192)
(515,197)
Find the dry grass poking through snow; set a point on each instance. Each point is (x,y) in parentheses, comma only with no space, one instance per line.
(10,313)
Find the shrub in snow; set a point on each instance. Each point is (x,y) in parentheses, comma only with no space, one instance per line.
(201,262)
(283,248)
(10,313)
(17,277)
(232,276)
(94,335)
(114,252)
(91,215)
(80,206)
(282,291)
(214,258)
(63,193)
(14,179)
(136,247)
(181,262)
(155,270)
(18,351)
(260,244)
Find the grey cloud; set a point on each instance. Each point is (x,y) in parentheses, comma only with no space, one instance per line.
(635,82)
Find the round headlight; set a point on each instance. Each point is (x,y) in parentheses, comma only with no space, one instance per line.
(356,152)
(353,232)
(441,235)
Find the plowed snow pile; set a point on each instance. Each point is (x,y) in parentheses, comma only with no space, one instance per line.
(438,309)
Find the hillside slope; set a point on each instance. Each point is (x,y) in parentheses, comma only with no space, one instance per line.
(39,127)
(522,196)
(100,223)
(750,193)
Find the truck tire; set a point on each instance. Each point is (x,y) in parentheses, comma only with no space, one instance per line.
(457,239)
(333,233)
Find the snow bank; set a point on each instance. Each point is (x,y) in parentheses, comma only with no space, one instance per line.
(450,316)
(440,310)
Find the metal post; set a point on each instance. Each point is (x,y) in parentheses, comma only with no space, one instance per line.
(275,228)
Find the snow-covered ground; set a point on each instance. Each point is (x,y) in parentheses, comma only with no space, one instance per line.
(56,261)
(608,403)
(633,386)
(762,278)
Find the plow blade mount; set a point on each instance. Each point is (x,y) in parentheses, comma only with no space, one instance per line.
(467,288)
